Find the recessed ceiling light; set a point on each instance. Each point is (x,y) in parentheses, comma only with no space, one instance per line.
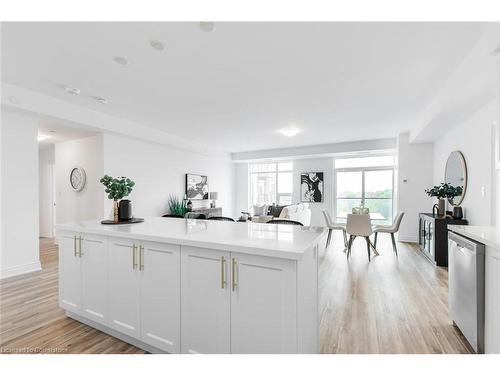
(289,131)
(72,90)
(157,45)
(52,131)
(42,137)
(207,26)
(120,60)
(100,99)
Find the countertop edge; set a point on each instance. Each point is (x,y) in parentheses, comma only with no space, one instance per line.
(462,230)
(223,246)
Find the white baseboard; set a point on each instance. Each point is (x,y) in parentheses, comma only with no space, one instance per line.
(20,270)
(413,239)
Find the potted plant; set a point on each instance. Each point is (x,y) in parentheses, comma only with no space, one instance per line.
(177,206)
(442,191)
(116,189)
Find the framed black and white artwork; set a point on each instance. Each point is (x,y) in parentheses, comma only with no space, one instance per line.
(311,187)
(196,186)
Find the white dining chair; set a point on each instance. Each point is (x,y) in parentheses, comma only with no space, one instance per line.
(331,225)
(392,229)
(360,210)
(359,225)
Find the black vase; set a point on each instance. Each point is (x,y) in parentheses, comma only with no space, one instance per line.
(457,212)
(125,210)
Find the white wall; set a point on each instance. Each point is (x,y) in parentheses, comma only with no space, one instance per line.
(159,171)
(318,151)
(241,188)
(87,204)
(19,195)
(414,174)
(46,190)
(473,137)
(1,195)
(496,173)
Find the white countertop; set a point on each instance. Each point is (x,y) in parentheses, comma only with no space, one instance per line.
(280,241)
(489,236)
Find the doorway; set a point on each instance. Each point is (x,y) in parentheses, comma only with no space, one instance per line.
(46,191)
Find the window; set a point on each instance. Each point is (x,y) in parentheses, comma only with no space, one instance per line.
(367,182)
(271,183)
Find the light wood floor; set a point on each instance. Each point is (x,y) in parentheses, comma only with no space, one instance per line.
(391,305)
(31,319)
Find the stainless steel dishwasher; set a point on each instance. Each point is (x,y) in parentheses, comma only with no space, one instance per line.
(466,288)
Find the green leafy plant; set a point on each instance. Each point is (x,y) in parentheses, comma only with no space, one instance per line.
(444,190)
(177,206)
(117,188)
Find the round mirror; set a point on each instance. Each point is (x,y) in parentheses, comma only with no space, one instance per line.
(456,175)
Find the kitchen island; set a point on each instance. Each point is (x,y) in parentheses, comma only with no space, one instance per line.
(194,286)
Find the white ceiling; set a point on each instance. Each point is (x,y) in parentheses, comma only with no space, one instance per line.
(235,87)
(55,131)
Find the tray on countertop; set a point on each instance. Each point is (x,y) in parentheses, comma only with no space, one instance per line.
(131,221)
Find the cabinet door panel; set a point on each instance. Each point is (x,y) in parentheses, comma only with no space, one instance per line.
(263,306)
(124,284)
(160,296)
(492,301)
(205,306)
(94,277)
(70,293)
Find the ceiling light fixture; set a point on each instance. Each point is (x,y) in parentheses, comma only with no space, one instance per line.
(72,90)
(42,137)
(289,131)
(207,26)
(120,60)
(157,45)
(100,99)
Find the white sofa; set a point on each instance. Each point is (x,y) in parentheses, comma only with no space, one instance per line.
(297,212)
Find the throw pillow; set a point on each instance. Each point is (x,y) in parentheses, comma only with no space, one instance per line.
(259,210)
(275,210)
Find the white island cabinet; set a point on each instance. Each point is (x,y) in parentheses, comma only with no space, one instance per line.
(191,286)
(83,271)
(205,308)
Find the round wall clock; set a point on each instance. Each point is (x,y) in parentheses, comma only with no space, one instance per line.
(77,178)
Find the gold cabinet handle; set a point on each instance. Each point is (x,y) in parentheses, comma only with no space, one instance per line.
(74,245)
(80,246)
(134,262)
(222,272)
(234,276)
(141,257)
